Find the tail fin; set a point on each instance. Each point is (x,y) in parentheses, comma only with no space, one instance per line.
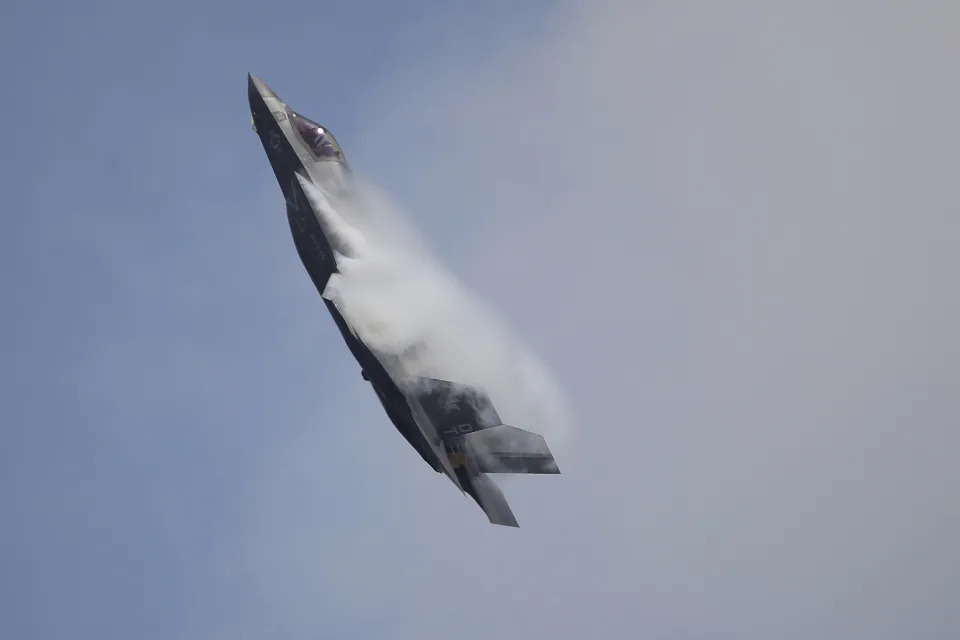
(491,500)
(506,449)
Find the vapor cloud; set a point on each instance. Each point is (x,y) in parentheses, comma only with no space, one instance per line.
(729,228)
(403,303)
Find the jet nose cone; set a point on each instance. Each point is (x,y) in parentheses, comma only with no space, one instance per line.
(256,86)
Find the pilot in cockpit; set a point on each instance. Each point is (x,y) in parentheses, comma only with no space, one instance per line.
(316,138)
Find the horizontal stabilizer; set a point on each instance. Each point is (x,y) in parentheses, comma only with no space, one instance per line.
(506,449)
(491,500)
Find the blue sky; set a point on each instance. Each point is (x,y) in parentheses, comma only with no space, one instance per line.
(729,231)
(143,323)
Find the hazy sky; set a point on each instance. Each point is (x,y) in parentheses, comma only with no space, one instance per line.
(731,230)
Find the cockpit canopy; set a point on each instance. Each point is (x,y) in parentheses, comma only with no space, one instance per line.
(319,142)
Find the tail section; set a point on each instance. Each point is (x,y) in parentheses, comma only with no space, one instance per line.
(506,449)
(472,441)
(491,500)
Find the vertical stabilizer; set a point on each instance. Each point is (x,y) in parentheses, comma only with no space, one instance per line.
(491,500)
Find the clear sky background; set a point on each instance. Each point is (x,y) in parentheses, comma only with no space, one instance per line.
(732,231)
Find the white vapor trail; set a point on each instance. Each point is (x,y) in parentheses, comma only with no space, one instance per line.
(403,303)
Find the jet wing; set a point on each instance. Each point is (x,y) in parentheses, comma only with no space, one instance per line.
(465,417)
(455,409)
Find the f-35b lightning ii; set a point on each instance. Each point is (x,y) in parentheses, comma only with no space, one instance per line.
(453,427)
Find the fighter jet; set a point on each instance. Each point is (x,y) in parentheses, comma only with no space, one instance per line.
(454,427)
